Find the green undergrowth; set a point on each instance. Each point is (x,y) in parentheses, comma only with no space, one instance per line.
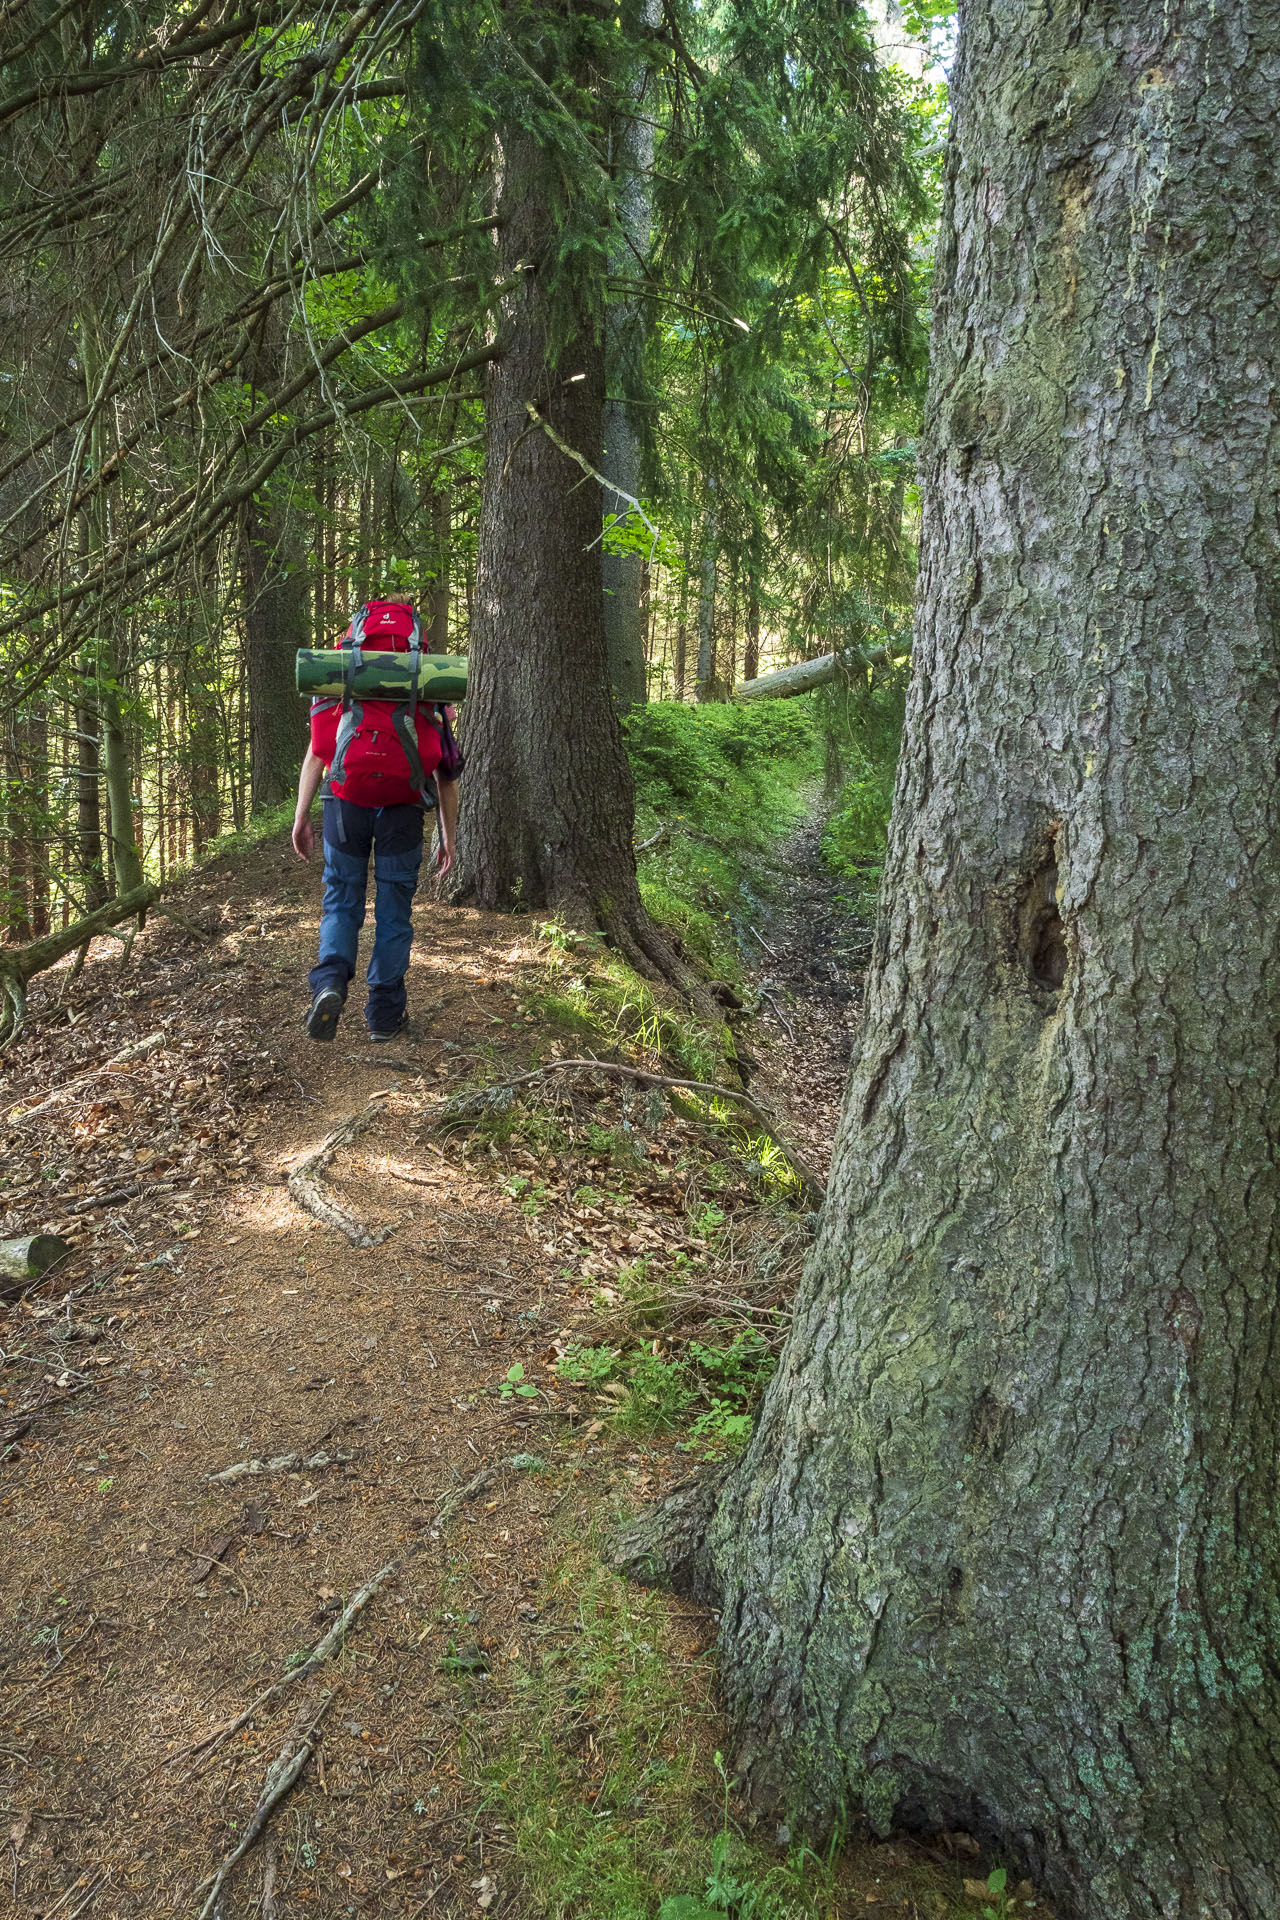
(588,991)
(607,1779)
(706,1392)
(723,786)
(863,724)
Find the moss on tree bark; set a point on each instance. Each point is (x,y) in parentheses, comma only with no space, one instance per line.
(1003,1552)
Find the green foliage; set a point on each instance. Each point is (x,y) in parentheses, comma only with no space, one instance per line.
(655,1393)
(515,1386)
(724,785)
(864,723)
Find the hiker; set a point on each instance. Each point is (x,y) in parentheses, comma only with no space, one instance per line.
(390,763)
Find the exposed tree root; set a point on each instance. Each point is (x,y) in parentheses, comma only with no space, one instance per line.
(814,1191)
(335,1639)
(664,1546)
(282,1775)
(648,949)
(277,1463)
(305,1187)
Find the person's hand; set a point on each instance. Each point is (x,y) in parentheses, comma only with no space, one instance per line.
(304,838)
(444,855)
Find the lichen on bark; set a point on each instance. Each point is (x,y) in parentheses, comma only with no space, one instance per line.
(1003,1550)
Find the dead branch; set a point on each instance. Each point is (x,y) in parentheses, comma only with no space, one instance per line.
(304,1181)
(137,1051)
(814,1190)
(19,967)
(282,1775)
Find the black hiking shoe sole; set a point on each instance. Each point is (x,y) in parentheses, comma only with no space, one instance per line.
(321,1022)
(380,1035)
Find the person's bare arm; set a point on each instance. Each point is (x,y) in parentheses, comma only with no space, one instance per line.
(447,795)
(309,779)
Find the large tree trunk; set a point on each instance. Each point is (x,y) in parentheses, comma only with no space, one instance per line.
(1003,1552)
(548,803)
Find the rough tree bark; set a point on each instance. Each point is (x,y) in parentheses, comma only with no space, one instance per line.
(548,806)
(1003,1551)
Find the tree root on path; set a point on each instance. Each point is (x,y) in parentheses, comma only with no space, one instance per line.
(305,1187)
(814,1190)
(282,1775)
(335,1639)
(663,1547)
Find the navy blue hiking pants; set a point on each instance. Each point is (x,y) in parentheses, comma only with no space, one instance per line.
(394,836)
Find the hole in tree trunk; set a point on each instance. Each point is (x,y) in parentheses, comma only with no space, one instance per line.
(1042,940)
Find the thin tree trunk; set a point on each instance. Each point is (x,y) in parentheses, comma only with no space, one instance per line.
(122,828)
(682,618)
(1003,1551)
(442,540)
(751,650)
(276,617)
(549,807)
(625,329)
(707,598)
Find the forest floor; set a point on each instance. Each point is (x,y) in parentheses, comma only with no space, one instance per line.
(223,1419)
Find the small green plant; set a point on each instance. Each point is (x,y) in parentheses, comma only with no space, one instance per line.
(997,1881)
(530,1195)
(515,1385)
(587,1366)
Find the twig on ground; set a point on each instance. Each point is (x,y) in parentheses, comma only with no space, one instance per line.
(772,953)
(188,926)
(791,1032)
(814,1190)
(115,1198)
(126,1055)
(304,1181)
(335,1639)
(647,846)
(282,1775)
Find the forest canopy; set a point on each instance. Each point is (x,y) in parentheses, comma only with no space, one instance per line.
(253,278)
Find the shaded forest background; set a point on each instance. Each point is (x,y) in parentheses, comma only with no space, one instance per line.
(251,289)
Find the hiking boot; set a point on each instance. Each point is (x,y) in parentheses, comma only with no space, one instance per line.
(393,1032)
(322,1017)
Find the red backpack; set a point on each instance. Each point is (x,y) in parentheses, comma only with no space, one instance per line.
(380,753)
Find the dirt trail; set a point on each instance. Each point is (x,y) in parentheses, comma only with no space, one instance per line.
(809,957)
(206,1321)
(145,1603)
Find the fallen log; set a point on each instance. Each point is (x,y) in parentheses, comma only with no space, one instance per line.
(20,966)
(322,675)
(808,674)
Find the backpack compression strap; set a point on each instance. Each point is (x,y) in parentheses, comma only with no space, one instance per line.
(352,712)
(405,717)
